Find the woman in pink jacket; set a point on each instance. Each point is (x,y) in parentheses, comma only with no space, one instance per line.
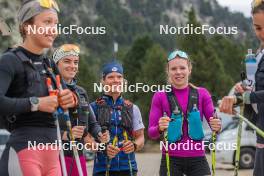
(178,114)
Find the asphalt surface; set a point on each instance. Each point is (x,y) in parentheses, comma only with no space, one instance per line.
(148,165)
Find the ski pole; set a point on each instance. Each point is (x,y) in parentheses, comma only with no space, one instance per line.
(239,133)
(128,155)
(251,125)
(53,92)
(214,149)
(115,140)
(69,126)
(166,150)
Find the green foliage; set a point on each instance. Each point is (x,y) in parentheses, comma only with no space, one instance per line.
(153,73)
(86,78)
(209,58)
(134,58)
(205,8)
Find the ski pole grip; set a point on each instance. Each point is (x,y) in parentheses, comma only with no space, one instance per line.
(125,136)
(52,92)
(48,83)
(58,82)
(215,114)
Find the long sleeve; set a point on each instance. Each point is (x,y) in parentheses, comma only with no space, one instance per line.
(257,97)
(10,105)
(94,127)
(154,115)
(207,104)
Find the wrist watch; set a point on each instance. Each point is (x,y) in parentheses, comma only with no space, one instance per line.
(34,101)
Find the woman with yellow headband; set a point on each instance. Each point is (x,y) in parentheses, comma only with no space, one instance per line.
(82,120)
(253,95)
(25,102)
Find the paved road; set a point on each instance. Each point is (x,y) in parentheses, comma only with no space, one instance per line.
(148,164)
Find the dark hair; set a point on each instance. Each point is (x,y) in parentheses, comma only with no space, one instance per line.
(22,30)
(257,9)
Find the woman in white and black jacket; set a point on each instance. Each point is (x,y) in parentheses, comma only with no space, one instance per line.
(82,119)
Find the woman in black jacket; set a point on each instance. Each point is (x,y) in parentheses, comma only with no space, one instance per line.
(25,102)
(82,119)
(253,95)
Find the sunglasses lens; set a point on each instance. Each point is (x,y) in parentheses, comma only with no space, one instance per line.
(183,55)
(45,3)
(68,48)
(172,56)
(177,53)
(49,4)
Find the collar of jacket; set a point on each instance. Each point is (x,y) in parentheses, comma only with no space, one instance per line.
(110,101)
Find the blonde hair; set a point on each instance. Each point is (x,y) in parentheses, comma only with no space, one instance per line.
(255,10)
(258,9)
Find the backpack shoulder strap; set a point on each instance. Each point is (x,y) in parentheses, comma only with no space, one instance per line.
(22,56)
(193,98)
(173,102)
(23,60)
(103,113)
(128,106)
(127,116)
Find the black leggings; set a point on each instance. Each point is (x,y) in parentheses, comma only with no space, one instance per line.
(259,162)
(190,166)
